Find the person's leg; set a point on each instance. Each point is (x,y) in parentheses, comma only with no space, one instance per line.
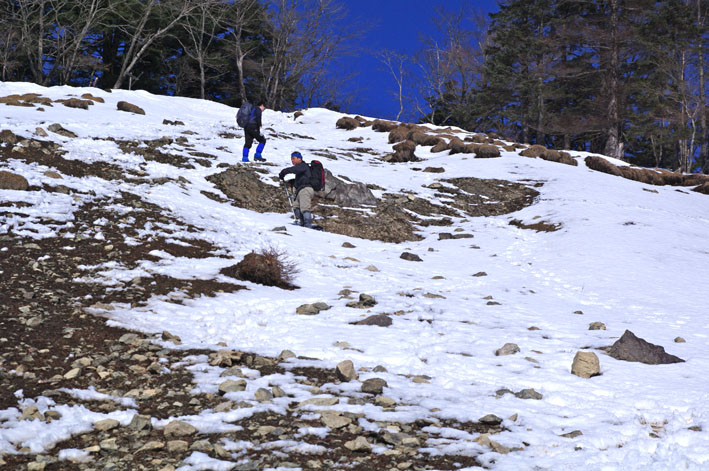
(305,197)
(261,144)
(249,139)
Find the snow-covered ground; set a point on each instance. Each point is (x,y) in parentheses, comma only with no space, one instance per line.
(630,258)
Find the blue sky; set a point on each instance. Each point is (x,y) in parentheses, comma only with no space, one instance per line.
(394,25)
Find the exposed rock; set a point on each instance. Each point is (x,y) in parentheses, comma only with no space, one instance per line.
(410,257)
(12,181)
(232,386)
(345,371)
(373,386)
(334,420)
(9,137)
(507,349)
(586,365)
(528,394)
(129,107)
(58,129)
(365,301)
(179,428)
(381,320)
(679,340)
(360,444)
(631,348)
(490,419)
(596,326)
(307,310)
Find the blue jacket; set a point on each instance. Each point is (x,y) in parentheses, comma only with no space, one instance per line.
(302,175)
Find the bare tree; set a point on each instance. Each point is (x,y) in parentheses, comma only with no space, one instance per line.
(243,20)
(307,36)
(10,35)
(201,27)
(141,34)
(396,65)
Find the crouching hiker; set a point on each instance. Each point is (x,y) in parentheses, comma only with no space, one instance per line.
(303,189)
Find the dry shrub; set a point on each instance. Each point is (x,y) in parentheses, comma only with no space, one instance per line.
(601,165)
(76,103)
(557,156)
(457,146)
(534,151)
(477,138)
(703,188)
(398,134)
(97,99)
(381,125)
(347,123)
(129,107)
(269,267)
(440,147)
(420,137)
(404,152)
(487,151)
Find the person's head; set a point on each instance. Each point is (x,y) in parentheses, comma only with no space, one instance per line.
(261,105)
(296,158)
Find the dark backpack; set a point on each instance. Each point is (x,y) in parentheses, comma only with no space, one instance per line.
(317,175)
(245,114)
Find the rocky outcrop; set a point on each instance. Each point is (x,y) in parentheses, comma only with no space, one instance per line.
(632,348)
(12,181)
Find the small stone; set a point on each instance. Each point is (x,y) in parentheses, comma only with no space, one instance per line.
(490,419)
(73,373)
(277,391)
(263,395)
(176,446)
(384,401)
(140,423)
(574,434)
(179,428)
(106,425)
(507,349)
(679,340)
(335,421)
(528,394)
(347,245)
(232,386)
(319,402)
(410,257)
(372,268)
(232,371)
(596,326)
(360,444)
(110,444)
(345,371)
(152,446)
(373,386)
(307,310)
(285,354)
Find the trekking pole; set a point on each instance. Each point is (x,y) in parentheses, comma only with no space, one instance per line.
(290,200)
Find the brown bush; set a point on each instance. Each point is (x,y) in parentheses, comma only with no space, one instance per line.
(404,152)
(129,107)
(77,103)
(703,188)
(398,134)
(477,138)
(457,146)
(487,151)
(440,147)
(9,137)
(533,151)
(420,137)
(602,165)
(347,123)
(97,99)
(269,267)
(557,156)
(381,125)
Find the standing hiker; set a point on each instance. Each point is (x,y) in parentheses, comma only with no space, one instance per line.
(303,188)
(252,131)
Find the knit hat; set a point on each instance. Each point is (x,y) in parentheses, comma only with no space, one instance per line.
(297,154)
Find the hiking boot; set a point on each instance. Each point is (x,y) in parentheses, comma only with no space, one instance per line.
(299,215)
(307,219)
(258,158)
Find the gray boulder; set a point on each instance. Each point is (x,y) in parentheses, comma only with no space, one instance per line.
(346,194)
(632,348)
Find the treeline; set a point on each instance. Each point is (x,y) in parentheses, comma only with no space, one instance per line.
(625,78)
(224,50)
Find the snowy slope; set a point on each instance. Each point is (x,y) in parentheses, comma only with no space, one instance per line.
(630,258)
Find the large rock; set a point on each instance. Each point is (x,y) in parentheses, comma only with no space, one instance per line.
(12,181)
(631,348)
(346,194)
(586,365)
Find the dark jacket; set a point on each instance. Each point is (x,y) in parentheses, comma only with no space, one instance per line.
(302,175)
(255,119)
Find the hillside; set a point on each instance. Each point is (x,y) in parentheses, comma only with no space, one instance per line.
(459,274)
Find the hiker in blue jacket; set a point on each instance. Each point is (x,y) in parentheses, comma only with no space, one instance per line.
(303,189)
(252,131)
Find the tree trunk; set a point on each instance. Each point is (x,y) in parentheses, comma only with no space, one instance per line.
(614,146)
(703,157)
